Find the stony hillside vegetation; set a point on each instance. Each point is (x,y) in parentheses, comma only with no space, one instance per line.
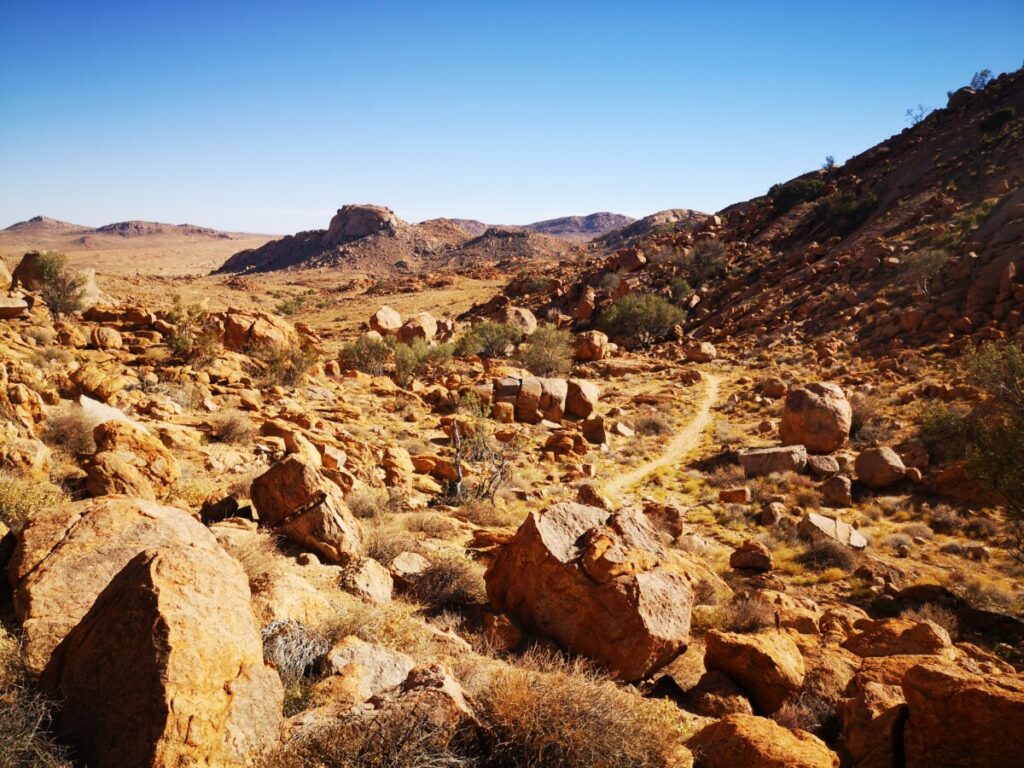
(727,490)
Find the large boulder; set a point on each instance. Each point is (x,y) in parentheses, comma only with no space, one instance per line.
(814,526)
(581,398)
(768,666)
(295,499)
(518,317)
(956,718)
(385,321)
(590,346)
(352,222)
(68,554)
(879,467)
(599,584)
(128,457)
(11,308)
(249,331)
(767,461)
(166,668)
(28,275)
(422,326)
(817,416)
(747,741)
(899,637)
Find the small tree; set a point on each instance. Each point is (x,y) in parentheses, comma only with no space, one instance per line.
(63,290)
(413,359)
(981,79)
(488,340)
(548,351)
(916,114)
(194,338)
(641,319)
(829,164)
(921,266)
(708,262)
(368,354)
(785,196)
(990,439)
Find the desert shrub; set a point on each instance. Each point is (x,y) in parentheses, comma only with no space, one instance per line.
(547,351)
(384,543)
(843,212)
(417,357)
(21,498)
(981,79)
(232,427)
(485,514)
(194,487)
(652,424)
(367,354)
(25,716)
(69,429)
(919,267)
(808,711)
(707,263)
(897,540)
(944,617)
(449,583)
(610,281)
(571,718)
(258,555)
(944,519)
(286,365)
(295,651)
(194,337)
(433,524)
(821,554)
(291,305)
(981,528)
(990,439)
(366,503)
(998,119)
(641,319)
(63,290)
(679,291)
(738,615)
(918,530)
(488,339)
(786,196)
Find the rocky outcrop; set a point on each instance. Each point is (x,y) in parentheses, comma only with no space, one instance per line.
(296,500)
(352,222)
(67,555)
(385,321)
(768,666)
(817,416)
(129,461)
(899,637)
(747,741)
(166,669)
(599,584)
(766,461)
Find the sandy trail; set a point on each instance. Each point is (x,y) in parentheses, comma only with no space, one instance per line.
(681,445)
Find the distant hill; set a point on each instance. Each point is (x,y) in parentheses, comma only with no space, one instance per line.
(582,227)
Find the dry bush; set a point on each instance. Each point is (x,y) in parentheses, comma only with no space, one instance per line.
(867,425)
(547,351)
(808,711)
(449,583)
(944,617)
(488,515)
(433,524)
(257,554)
(232,427)
(652,424)
(944,519)
(383,541)
(25,741)
(739,615)
(295,651)
(984,528)
(21,499)
(989,595)
(193,487)
(897,540)
(366,503)
(285,365)
(69,429)
(186,394)
(821,554)
(569,718)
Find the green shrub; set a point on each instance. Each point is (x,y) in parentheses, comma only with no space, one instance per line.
(680,291)
(368,354)
(63,290)
(413,359)
(286,365)
(786,196)
(641,319)
(708,262)
(194,338)
(547,352)
(291,305)
(488,340)
(921,266)
(998,119)
(843,212)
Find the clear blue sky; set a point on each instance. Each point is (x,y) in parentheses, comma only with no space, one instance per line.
(267,116)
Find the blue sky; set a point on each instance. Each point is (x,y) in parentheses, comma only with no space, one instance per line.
(267,116)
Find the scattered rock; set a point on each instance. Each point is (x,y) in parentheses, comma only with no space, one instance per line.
(748,741)
(765,461)
(768,666)
(751,556)
(815,526)
(879,467)
(817,416)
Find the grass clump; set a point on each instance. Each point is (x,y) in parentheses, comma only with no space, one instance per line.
(232,427)
(21,499)
(194,338)
(417,357)
(285,365)
(368,354)
(822,554)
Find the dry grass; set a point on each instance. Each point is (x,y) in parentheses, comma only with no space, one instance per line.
(21,499)
(489,515)
(232,427)
(258,554)
(69,430)
(450,583)
(808,711)
(295,651)
(824,554)
(944,617)
(740,615)
(652,425)
(366,503)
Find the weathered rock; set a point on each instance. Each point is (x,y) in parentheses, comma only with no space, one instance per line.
(376,668)
(768,666)
(817,416)
(125,453)
(955,718)
(715,695)
(822,466)
(747,741)
(246,331)
(105,338)
(815,526)
(28,457)
(581,398)
(67,555)
(700,352)
(837,491)
(294,498)
(385,321)
(739,495)
(751,556)
(590,346)
(899,637)
(368,579)
(879,467)
(765,461)
(166,669)
(518,317)
(422,326)
(352,222)
(11,308)
(592,582)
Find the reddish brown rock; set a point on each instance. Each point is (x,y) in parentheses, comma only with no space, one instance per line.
(385,321)
(422,326)
(817,416)
(130,461)
(591,346)
(769,665)
(879,467)
(899,637)
(747,741)
(166,669)
(751,556)
(581,398)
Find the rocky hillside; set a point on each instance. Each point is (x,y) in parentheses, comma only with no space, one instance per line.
(373,239)
(582,227)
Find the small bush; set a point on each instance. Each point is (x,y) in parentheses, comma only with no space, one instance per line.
(843,212)
(808,711)
(367,354)
(981,528)
(295,651)
(897,540)
(792,193)
(708,262)
(944,617)
(547,351)
(290,305)
(366,503)
(417,357)
(679,290)
(944,519)
(194,338)
(488,340)
(232,427)
(63,290)
(641,319)
(739,615)
(822,554)
(21,499)
(286,365)
(69,429)
(449,584)
(921,266)
(998,119)
(918,531)
(652,425)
